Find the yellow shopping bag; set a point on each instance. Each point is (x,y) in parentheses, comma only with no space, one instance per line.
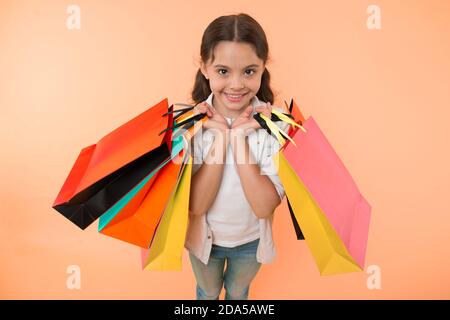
(166,250)
(327,248)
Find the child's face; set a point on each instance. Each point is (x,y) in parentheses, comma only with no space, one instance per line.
(236,70)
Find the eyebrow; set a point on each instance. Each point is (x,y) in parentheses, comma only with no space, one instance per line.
(222,66)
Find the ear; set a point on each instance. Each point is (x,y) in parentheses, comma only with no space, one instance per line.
(203,70)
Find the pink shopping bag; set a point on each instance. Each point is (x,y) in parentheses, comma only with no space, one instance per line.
(331,186)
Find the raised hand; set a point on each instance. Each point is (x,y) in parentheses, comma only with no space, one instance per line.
(245,123)
(215,119)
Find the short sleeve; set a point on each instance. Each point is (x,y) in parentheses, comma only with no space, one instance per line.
(196,145)
(200,145)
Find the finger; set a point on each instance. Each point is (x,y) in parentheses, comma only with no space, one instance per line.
(214,112)
(248,111)
(264,106)
(255,124)
(207,124)
(268,110)
(201,108)
(260,109)
(264,111)
(196,110)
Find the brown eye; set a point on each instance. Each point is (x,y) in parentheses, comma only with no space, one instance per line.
(252,71)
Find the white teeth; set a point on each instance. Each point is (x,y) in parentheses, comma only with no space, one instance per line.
(234,97)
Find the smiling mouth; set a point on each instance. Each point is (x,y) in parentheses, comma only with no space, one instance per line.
(235,94)
(234,97)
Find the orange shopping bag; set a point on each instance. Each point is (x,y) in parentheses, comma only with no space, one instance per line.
(104,172)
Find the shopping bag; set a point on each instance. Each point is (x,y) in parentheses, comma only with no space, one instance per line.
(104,172)
(166,250)
(130,202)
(298,117)
(328,206)
(135,219)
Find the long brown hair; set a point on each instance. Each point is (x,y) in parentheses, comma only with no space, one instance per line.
(237,28)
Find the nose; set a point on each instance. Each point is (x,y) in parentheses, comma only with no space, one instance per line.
(236,83)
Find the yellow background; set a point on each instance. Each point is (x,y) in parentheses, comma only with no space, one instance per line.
(380,96)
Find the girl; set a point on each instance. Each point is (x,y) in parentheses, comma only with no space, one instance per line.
(234,187)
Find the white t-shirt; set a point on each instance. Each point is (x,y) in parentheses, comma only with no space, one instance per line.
(231,218)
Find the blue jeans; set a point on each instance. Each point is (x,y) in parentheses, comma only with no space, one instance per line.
(241,268)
